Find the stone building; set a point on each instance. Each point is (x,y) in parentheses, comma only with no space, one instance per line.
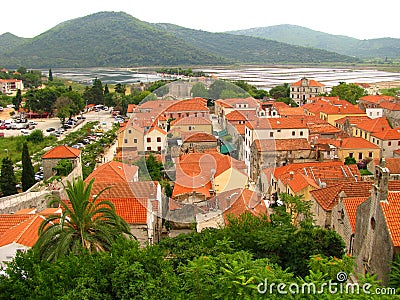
(305,88)
(377,234)
(51,158)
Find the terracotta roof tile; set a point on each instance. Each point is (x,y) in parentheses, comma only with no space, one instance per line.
(132,210)
(24,233)
(141,189)
(62,151)
(235,116)
(113,171)
(390,134)
(390,106)
(353,120)
(8,221)
(196,137)
(374,125)
(376,98)
(391,212)
(351,205)
(350,143)
(277,123)
(194,104)
(282,144)
(311,82)
(191,121)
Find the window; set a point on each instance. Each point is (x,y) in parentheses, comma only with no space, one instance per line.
(148,148)
(389,143)
(398,143)
(190,127)
(365,135)
(159,148)
(360,155)
(158,139)
(351,154)
(135,141)
(126,141)
(129,131)
(293,133)
(370,154)
(278,130)
(301,133)
(356,132)
(149,140)
(271,134)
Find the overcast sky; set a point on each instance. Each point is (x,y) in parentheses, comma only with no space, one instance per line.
(360,19)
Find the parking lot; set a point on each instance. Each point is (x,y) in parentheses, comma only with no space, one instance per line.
(43,124)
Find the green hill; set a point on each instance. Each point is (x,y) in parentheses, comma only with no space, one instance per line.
(9,41)
(297,35)
(106,39)
(116,39)
(252,50)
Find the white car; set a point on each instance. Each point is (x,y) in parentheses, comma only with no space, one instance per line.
(25,132)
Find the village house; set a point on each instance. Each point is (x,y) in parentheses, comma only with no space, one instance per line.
(114,171)
(301,178)
(189,125)
(9,86)
(388,140)
(51,158)
(154,139)
(198,142)
(391,111)
(272,128)
(200,176)
(247,106)
(367,127)
(305,88)
(346,124)
(331,109)
(355,147)
(371,105)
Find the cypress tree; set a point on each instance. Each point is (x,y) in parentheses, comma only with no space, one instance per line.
(8,183)
(28,175)
(50,75)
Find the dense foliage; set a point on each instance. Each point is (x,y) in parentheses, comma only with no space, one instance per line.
(230,263)
(90,42)
(28,174)
(8,183)
(350,92)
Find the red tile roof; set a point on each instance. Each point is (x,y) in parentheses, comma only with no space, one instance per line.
(235,116)
(196,137)
(194,104)
(374,125)
(328,197)
(113,171)
(248,201)
(377,98)
(353,120)
(391,212)
(311,82)
(131,108)
(24,233)
(351,205)
(141,189)
(62,151)
(390,106)
(390,134)
(350,143)
(392,163)
(132,210)
(191,121)
(277,123)
(282,145)
(194,170)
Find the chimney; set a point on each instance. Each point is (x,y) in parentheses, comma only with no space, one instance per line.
(291,174)
(381,181)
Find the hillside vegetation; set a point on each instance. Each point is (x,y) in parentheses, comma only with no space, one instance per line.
(116,39)
(302,36)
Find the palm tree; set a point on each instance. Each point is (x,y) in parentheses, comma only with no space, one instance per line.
(85,224)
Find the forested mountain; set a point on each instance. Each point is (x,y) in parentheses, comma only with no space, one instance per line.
(302,36)
(9,41)
(252,50)
(116,39)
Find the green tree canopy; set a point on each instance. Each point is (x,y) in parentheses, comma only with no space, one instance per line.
(28,174)
(350,92)
(8,183)
(86,224)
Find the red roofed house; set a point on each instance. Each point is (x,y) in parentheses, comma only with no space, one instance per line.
(272,128)
(387,140)
(195,107)
(139,203)
(377,233)
(230,203)
(53,156)
(305,88)
(114,171)
(8,86)
(190,124)
(154,139)
(391,110)
(200,176)
(18,232)
(371,105)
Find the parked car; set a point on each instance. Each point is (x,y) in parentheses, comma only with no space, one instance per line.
(3,126)
(25,132)
(55,133)
(50,129)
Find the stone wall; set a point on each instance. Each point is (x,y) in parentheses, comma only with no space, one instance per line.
(14,203)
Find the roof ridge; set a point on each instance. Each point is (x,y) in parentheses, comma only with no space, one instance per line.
(33,219)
